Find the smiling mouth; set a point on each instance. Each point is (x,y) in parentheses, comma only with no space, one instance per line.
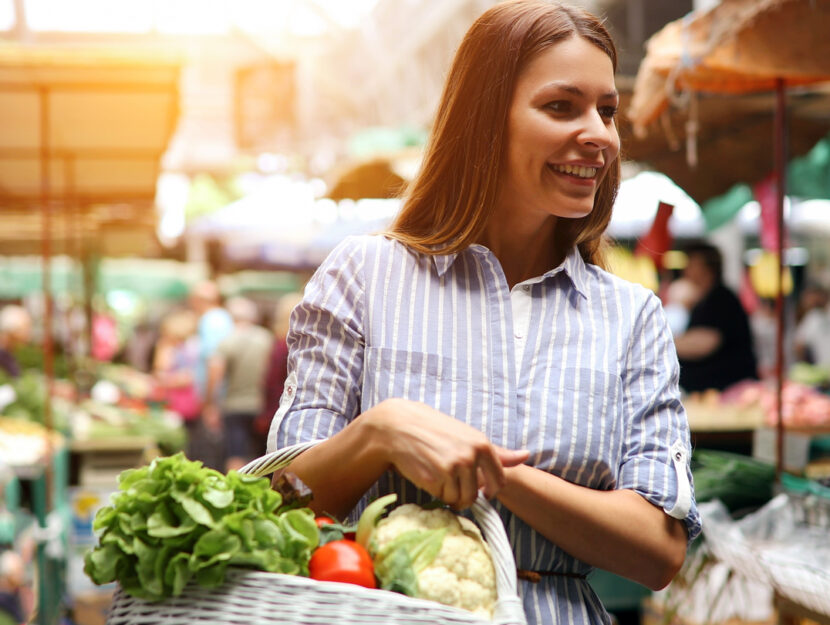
(577,171)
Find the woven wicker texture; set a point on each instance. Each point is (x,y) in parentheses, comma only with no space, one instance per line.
(258,598)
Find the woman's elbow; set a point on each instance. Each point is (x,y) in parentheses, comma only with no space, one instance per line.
(670,561)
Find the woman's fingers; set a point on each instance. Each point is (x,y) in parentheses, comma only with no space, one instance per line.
(467,487)
(490,471)
(445,456)
(449,491)
(491,467)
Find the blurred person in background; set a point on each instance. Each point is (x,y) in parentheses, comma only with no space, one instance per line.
(15,331)
(105,339)
(764,324)
(213,325)
(12,579)
(480,343)
(175,358)
(813,296)
(812,335)
(716,350)
(234,383)
(277,369)
(142,342)
(681,296)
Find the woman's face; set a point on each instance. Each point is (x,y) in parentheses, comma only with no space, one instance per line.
(561,135)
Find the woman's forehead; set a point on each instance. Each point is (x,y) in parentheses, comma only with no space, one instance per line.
(574,63)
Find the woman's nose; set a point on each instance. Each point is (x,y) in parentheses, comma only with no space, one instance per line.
(598,132)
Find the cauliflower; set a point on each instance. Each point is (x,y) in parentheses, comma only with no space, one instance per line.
(435,554)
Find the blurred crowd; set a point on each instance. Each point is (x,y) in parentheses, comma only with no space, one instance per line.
(222,369)
(219,363)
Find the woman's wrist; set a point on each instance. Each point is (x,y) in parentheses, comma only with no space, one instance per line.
(376,431)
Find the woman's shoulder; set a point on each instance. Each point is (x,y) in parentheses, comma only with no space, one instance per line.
(377,243)
(608,282)
(370,248)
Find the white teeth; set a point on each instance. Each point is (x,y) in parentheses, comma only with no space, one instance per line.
(576,170)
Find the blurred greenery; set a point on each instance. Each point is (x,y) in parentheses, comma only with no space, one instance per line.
(808,178)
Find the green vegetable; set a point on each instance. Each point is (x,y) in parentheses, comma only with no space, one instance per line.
(399,561)
(369,518)
(175,521)
(30,402)
(809,374)
(738,481)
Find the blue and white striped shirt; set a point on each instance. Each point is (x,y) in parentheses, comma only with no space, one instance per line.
(577,365)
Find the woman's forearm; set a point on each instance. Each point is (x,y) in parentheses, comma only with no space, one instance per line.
(618,530)
(437,453)
(340,470)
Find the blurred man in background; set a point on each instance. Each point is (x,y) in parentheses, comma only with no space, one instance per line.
(238,365)
(716,349)
(213,326)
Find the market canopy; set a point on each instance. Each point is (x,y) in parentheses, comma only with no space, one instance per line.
(709,80)
(738,46)
(84,130)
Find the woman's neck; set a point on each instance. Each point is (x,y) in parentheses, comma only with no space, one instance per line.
(522,252)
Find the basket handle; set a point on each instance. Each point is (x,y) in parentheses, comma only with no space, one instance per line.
(509,609)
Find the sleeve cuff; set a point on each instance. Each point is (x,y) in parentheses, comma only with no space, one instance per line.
(667,485)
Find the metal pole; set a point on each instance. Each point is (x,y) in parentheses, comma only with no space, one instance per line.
(781,179)
(45,610)
(46,252)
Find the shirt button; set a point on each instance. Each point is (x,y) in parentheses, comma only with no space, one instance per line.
(517,334)
(526,288)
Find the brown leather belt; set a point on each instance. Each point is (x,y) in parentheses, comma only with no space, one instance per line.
(536,576)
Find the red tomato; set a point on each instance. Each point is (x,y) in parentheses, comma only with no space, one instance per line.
(342,561)
(323,520)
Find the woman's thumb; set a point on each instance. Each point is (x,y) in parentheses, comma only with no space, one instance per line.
(511,457)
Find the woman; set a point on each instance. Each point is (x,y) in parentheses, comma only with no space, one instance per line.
(479,343)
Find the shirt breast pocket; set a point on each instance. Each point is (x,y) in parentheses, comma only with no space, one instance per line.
(415,375)
(581,436)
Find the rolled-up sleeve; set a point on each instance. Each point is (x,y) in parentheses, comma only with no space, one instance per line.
(656,450)
(325,359)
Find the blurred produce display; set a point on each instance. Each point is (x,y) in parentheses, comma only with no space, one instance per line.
(122,402)
(812,375)
(752,404)
(25,443)
(803,405)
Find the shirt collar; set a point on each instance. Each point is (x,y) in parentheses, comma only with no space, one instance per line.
(443,262)
(573,267)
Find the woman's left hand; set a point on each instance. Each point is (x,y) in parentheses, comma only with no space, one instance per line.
(442,455)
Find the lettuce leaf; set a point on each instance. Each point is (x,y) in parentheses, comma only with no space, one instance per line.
(175,521)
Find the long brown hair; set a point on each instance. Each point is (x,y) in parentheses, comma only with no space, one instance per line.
(448,204)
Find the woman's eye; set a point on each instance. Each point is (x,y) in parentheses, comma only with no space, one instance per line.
(608,112)
(559,106)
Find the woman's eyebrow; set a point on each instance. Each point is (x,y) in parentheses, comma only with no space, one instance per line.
(573,89)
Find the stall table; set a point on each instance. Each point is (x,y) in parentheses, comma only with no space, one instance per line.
(98,462)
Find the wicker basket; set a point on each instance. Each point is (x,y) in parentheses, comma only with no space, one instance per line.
(258,598)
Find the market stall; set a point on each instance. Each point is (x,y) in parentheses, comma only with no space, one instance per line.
(726,51)
(81,139)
